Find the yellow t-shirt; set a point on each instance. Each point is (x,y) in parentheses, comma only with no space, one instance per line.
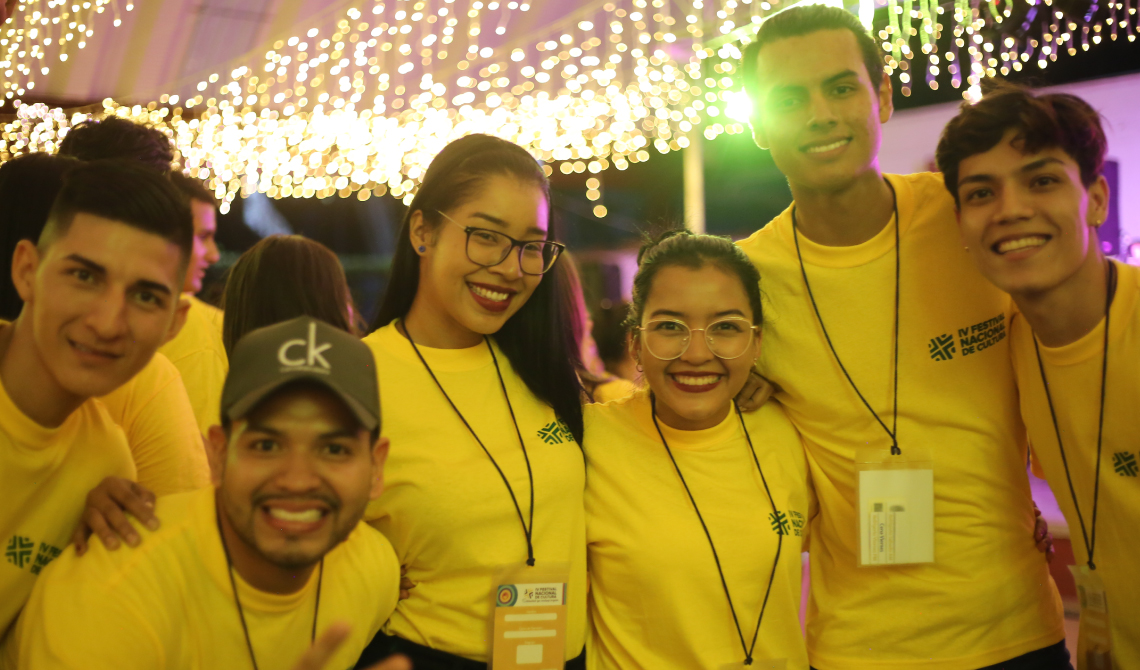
(656,599)
(154,412)
(447,511)
(1074,374)
(168,603)
(45,474)
(198,353)
(988,596)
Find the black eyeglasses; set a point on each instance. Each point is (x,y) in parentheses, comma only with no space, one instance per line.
(490,247)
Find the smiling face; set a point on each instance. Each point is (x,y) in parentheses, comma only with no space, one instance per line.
(205,251)
(294,477)
(102,298)
(695,391)
(818,112)
(466,298)
(1026,217)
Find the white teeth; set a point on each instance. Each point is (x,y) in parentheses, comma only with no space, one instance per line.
(490,295)
(827,147)
(688,380)
(1021,243)
(306,516)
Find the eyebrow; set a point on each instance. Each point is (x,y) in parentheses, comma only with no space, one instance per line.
(533,230)
(157,287)
(1029,167)
(679,315)
(332,434)
(826,82)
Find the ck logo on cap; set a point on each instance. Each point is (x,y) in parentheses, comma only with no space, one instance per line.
(312,352)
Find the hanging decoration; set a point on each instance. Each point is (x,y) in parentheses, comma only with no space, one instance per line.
(358,106)
(42,31)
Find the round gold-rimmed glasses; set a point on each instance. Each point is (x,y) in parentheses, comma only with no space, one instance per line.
(668,339)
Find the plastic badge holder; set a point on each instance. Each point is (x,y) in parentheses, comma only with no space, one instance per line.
(1094,642)
(896,507)
(529,627)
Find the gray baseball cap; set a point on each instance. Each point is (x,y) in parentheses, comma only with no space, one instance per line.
(302,349)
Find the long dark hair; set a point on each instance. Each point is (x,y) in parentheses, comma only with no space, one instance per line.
(280,278)
(536,339)
(28,186)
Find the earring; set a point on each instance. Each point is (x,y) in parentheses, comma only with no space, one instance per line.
(422,248)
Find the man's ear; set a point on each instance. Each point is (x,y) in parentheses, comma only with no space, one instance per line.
(25,263)
(759,134)
(886,99)
(1098,202)
(379,457)
(217,446)
(179,319)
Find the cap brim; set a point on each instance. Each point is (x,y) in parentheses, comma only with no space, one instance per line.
(250,400)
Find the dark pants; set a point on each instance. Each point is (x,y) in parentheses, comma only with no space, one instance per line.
(1053,657)
(426,658)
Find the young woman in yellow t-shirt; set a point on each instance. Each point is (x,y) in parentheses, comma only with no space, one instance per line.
(482,406)
(696,513)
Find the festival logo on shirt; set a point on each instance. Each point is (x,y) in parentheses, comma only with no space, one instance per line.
(787,523)
(555,432)
(1125,464)
(19,550)
(970,340)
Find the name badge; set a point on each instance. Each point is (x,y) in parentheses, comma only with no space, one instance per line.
(896,507)
(1094,641)
(529,629)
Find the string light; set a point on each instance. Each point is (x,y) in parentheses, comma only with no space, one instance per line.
(42,31)
(358,106)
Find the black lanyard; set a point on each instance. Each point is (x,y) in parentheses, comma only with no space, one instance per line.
(1090,534)
(237,600)
(892,432)
(527,531)
(779,532)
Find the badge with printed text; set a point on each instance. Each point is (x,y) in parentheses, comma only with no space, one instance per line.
(1094,642)
(896,507)
(529,627)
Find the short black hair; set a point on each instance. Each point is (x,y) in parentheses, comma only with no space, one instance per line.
(123,191)
(804,20)
(1042,121)
(28,186)
(192,188)
(113,137)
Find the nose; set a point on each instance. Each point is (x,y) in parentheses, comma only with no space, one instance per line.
(511,267)
(298,473)
(1012,205)
(698,351)
(822,114)
(107,317)
(212,255)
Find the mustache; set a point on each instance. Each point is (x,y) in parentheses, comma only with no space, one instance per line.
(328,499)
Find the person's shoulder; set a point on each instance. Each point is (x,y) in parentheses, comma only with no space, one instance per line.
(928,190)
(608,425)
(133,567)
(618,409)
(771,425)
(768,239)
(368,562)
(383,339)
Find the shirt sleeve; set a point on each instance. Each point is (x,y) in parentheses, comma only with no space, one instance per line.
(71,624)
(155,413)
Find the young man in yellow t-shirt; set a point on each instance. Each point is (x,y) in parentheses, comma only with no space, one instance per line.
(883,335)
(249,572)
(101,294)
(197,351)
(1026,174)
